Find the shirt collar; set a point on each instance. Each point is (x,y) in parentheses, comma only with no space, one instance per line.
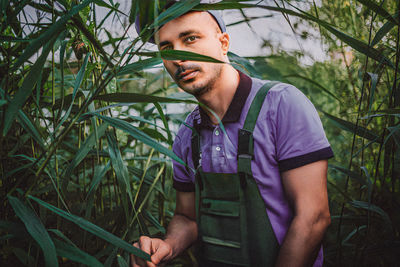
(235,107)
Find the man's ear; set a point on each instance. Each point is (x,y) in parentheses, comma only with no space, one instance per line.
(224,39)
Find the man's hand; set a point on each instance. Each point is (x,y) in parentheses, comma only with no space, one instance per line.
(159,250)
(181,233)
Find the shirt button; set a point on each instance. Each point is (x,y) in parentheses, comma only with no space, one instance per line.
(218,148)
(216,132)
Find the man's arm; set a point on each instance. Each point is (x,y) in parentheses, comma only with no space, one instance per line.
(306,190)
(181,233)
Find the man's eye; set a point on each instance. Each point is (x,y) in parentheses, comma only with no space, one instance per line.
(191,38)
(167,47)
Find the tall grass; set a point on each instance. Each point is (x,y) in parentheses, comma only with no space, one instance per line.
(86,137)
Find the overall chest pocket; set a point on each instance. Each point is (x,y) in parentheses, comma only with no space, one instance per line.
(220,211)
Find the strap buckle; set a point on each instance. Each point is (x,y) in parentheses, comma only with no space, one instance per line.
(245,156)
(245,142)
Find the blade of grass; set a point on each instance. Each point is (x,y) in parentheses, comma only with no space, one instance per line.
(23,257)
(178,54)
(26,88)
(139,135)
(104,4)
(378,9)
(83,151)
(121,172)
(186,55)
(139,66)
(121,261)
(385,29)
(30,128)
(6,38)
(138,173)
(98,176)
(94,229)
(375,209)
(369,183)
(352,233)
(78,82)
(349,173)
(176,10)
(394,133)
(52,33)
(314,83)
(154,221)
(244,65)
(36,230)
(354,43)
(16,229)
(352,128)
(141,98)
(164,120)
(75,254)
(139,210)
(374,82)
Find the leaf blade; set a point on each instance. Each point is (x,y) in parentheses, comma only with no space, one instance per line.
(54,30)
(36,230)
(136,133)
(26,88)
(94,229)
(75,254)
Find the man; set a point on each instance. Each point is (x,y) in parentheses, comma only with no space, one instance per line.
(259,191)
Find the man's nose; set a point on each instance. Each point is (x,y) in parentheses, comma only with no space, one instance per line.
(179,62)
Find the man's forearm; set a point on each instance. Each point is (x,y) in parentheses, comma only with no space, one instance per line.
(302,242)
(181,233)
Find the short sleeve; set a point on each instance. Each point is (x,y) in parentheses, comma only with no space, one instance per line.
(300,137)
(183,176)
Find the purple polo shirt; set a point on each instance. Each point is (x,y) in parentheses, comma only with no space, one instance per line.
(288,134)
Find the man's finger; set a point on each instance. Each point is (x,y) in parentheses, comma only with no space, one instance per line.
(160,253)
(145,244)
(133,263)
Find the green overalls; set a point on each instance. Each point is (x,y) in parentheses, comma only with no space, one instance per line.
(233,226)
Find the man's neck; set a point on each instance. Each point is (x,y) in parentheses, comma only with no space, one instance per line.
(220,96)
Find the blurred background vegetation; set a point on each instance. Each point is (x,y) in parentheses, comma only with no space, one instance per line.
(87,124)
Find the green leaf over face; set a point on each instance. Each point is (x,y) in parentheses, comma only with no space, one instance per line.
(186,55)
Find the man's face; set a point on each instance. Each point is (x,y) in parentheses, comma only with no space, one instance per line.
(199,33)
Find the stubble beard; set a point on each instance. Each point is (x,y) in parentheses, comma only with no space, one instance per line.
(197,90)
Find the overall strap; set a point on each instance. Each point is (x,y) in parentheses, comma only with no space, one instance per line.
(259,237)
(196,152)
(245,139)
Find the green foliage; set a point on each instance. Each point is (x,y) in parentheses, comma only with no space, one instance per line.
(86,134)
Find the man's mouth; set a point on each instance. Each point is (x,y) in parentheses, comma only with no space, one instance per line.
(188,74)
